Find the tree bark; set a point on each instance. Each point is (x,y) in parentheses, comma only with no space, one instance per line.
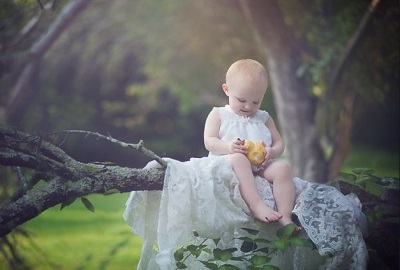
(295,106)
(65,178)
(342,140)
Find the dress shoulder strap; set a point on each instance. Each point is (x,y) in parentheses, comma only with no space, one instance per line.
(262,116)
(225,113)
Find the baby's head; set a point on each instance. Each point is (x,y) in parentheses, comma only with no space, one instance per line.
(247,72)
(246,83)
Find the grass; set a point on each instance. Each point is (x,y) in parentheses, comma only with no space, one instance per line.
(76,238)
(384,164)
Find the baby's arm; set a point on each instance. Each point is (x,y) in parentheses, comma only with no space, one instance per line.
(278,145)
(212,141)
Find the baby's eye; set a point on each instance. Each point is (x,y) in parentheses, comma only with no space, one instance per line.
(256,102)
(241,100)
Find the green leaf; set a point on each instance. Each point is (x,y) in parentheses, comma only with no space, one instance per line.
(301,242)
(245,239)
(270,267)
(191,247)
(251,231)
(196,234)
(209,265)
(228,267)
(216,241)
(281,244)
(181,265)
(89,206)
(348,177)
(207,250)
(178,254)
(238,259)
(223,254)
(195,252)
(286,231)
(262,240)
(263,250)
(258,260)
(363,171)
(248,246)
(364,180)
(68,202)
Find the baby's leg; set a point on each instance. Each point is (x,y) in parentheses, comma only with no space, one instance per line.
(248,189)
(280,174)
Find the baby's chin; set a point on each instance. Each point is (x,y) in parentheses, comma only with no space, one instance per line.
(244,113)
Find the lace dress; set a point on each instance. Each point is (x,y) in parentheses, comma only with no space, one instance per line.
(202,195)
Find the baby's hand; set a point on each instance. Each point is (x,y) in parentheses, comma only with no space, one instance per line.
(269,154)
(236,146)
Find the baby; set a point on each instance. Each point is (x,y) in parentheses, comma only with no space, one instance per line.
(227,127)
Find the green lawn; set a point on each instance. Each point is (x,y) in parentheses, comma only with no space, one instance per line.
(383,163)
(76,238)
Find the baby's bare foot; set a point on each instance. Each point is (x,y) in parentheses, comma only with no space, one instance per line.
(265,213)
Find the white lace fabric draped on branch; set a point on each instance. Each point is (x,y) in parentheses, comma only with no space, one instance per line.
(202,195)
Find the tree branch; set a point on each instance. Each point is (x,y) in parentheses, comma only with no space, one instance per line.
(338,69)
(139,146)
(21,92)
(64,177)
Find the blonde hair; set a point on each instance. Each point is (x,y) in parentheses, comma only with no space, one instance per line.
(247,69)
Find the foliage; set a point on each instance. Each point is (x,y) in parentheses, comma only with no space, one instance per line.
(361,177)
(371,71)
(380,200)
(255,252)
(385,210)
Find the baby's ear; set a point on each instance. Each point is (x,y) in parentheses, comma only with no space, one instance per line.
(225,88)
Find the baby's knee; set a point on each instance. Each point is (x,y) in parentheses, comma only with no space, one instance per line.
(280,169)
(152,164)
(284,167)
(238,158)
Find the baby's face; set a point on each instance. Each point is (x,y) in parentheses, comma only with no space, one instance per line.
(245,96)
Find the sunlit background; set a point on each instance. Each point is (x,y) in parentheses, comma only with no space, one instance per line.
(152,70)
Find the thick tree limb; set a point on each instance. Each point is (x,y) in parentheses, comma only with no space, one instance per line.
(65,178)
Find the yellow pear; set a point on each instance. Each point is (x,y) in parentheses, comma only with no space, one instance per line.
(255,152)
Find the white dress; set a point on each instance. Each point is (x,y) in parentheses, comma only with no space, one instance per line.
(202,195)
